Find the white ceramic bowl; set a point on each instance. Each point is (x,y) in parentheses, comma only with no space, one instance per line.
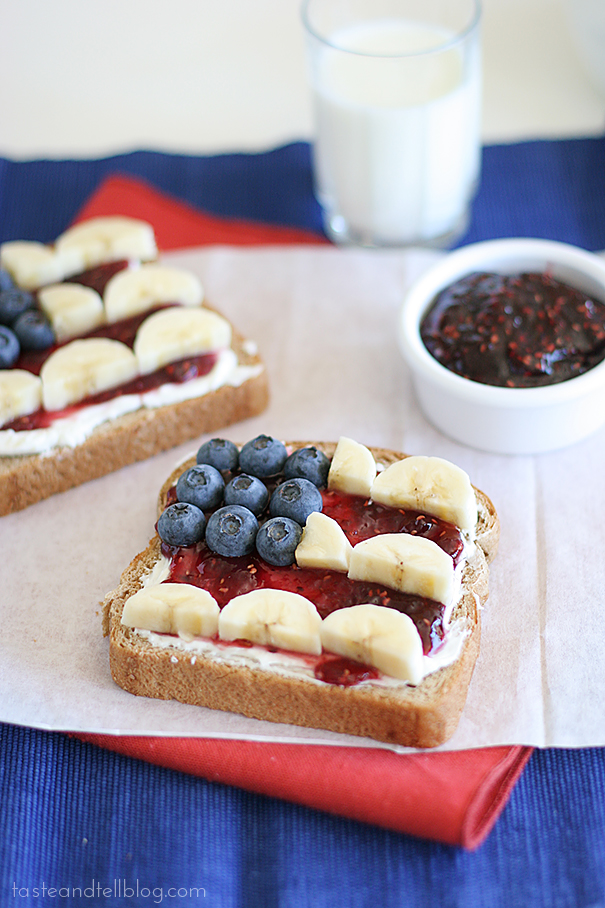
(505,420)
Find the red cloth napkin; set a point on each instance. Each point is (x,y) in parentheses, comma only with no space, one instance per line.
(179,226)
(450,797)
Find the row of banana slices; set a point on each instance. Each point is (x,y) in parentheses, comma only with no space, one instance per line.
(81,368)
(372,634)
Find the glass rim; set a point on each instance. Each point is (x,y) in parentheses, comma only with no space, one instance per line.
(458,38)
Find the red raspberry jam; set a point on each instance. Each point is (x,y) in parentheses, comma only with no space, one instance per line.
(343,671)
(98,277)
(515,331)
(359,518)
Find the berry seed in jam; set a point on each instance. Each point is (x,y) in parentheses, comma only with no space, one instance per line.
(516,331)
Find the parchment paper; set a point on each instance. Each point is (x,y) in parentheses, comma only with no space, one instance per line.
(325,321)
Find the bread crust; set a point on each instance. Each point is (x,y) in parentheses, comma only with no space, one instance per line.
(27,479)
(423,716)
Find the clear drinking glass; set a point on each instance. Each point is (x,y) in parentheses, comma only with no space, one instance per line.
(397,97)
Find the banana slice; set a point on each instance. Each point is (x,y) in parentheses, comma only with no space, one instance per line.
(72,309)
(378,636)
(173,608)
(32,264)
(175,333)
(353,468)
(429,484)
(20,394)
(323,544)
(108,239)
(85,367)
(407,563)
(136,290)
(272,618)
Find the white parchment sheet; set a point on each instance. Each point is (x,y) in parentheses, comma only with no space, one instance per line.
(325,321)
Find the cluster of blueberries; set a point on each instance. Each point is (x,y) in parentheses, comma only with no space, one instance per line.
(23,326)
(233,528)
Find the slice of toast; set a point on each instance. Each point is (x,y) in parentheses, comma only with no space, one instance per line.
(422,716)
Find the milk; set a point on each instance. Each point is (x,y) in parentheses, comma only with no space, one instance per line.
(397,148)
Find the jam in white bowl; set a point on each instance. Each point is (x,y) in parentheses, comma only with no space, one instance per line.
(536,407)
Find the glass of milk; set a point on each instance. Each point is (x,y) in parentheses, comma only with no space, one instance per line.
(397,96)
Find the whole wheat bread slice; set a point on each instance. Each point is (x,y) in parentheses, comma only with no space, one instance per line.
(422,716)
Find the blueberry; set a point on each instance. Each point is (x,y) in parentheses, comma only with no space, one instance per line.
(277,539)
(6,281)
(248,491)
(13,302)
(308,463)
(219,453)
(181,524)
(33,330)
(202,486)
(9,348)
(263,456)
(231,531)
(295,498)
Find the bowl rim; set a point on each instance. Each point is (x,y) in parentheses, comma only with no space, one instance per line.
(476,256)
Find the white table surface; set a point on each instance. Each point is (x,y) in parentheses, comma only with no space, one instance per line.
(209,76)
